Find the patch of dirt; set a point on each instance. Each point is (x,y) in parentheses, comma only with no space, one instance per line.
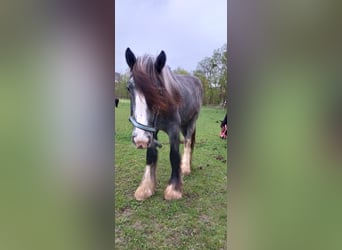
(220,158)
(157,227)
(205,218)
(138,226)
(126,211)
(190,196)
(118,237)
(190,232)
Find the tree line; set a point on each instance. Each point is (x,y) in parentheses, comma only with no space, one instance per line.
(212,71)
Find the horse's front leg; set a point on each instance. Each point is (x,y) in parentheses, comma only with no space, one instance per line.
(174,189)
(147,186)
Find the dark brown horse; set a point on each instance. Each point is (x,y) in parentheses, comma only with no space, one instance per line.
(161,100)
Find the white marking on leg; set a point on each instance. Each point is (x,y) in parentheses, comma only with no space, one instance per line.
(171,193)
(186,159)
(148,184)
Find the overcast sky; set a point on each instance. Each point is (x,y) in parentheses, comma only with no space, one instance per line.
(187,30)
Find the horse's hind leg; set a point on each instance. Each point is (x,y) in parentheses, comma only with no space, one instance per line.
(189,142)
(147,186)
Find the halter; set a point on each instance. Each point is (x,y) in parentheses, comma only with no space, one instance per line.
(147,128)
(141,126)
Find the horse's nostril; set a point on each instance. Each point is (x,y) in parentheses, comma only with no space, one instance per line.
(140,144)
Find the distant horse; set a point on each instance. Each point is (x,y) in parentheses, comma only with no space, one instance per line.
(223,125)
(116,102)
(161,100)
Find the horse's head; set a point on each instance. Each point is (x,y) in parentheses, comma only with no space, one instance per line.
(142,118)
(145,96)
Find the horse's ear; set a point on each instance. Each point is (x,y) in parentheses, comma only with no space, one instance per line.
(160,61)
(130,58)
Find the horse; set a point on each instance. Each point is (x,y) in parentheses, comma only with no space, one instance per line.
(223,125)
(162,100)
(116,102)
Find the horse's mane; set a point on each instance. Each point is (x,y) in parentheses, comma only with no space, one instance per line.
(160,90)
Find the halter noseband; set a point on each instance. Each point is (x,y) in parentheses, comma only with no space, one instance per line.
(147,128)
(141,126)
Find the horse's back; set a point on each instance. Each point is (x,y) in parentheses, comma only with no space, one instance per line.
(191,92)
(191,85)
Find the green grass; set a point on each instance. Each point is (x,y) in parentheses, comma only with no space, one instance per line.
(199,219)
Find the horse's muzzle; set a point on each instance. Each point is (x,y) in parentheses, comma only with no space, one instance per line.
(142,142)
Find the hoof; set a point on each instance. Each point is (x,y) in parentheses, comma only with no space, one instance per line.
(143,193)
(171,193)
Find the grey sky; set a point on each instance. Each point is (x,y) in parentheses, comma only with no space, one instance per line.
(187,30)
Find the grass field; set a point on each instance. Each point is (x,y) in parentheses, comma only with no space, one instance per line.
(199,219)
